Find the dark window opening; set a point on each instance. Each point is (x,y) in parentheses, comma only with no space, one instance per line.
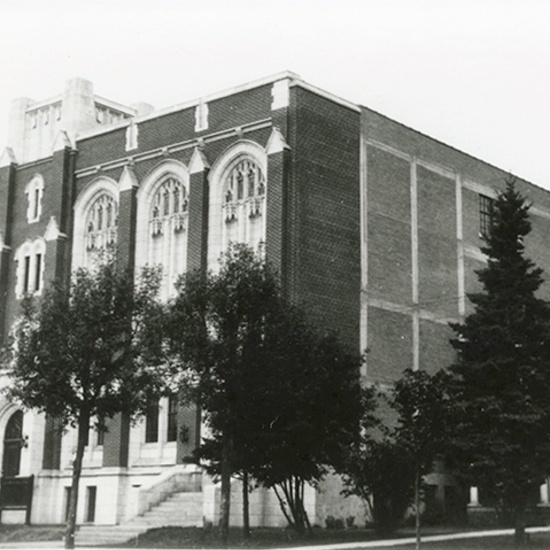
(68,491)
(36,203)
(90,504)
(100,433)
(172,431)
(37,272)
(27,274)
(152,424)
(485,215)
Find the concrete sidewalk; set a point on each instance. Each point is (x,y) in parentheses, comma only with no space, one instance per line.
(357,545)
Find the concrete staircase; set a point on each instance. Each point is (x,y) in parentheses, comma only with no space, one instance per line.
(181,509)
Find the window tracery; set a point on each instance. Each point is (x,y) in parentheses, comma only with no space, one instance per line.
(169,208)
(244,203)
(162,224)
(101,224)
(244,191)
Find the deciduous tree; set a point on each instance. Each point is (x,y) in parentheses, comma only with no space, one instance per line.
(87,351)
(281,401)
(386,464)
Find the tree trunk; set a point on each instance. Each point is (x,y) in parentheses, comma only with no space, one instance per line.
(519,526)
(246,514)
(83,427)
(417,507)
(225,493)
(293,505)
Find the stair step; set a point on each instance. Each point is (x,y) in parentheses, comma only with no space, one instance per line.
(181,509)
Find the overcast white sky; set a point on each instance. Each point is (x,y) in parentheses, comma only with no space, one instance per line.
(472,73)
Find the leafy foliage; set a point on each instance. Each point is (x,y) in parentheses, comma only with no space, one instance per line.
(500,384)
(281,402)
(380,473)
(311,418)
(88,352)
(92,347)
(421,402)
(389,458)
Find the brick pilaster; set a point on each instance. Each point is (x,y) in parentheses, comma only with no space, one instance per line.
(117,436)
(278,162)
(60,197)
(197,240)
(117,439)
(197,233)
(7,190)
(57,261)
(127,215)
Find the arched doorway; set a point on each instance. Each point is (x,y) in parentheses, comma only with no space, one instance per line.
(13,439)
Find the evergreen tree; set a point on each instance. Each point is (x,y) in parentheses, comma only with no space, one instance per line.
(500,385)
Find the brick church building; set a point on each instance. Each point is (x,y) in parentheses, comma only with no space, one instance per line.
(374,227)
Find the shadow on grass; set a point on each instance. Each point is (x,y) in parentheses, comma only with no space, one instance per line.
(195,537)
(31,533)
(178,537)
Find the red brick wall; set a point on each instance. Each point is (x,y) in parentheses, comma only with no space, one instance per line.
(21,230)
(389,344)
(437,244)
(324,212)
(389,239)
(389,229)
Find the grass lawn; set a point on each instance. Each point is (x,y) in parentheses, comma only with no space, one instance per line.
(536,540)
(30,533)
(195,537)
(176,537)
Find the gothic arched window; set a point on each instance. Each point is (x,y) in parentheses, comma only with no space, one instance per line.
(244,203)
(101,226)
(167,221)
(170,199)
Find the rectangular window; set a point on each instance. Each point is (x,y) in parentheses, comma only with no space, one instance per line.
(27,274)
(100,433)
(485,214)
(68,491)
(172,429)
(91,498)
(38,273)
(152,424)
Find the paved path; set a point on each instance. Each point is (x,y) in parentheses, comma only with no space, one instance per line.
(358,545)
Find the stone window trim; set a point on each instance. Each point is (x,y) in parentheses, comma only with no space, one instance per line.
(101,223)
(224,212)
(165,176)
(30,260)
(35,192)
(244,187)
(99,187)
(169,207)
(233,155)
